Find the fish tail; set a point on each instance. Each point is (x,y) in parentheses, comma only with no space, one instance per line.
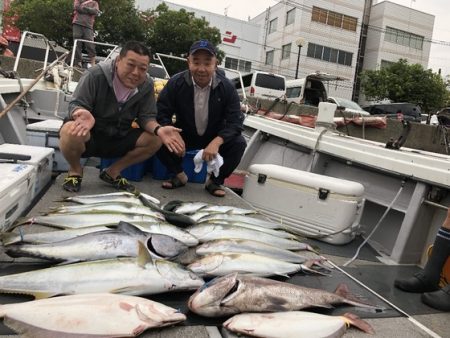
(306,268)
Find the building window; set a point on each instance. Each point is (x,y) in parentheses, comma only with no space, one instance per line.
(290,16)
(403,38)
(319,15)
(286,51)
(329,54)
(273,25)
(238,64)
(269,57)
(334,19)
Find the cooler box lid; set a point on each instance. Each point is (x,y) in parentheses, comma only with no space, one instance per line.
(305,178)
(46,125)
(37,153)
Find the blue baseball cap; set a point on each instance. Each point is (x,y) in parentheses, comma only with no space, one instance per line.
(202,45)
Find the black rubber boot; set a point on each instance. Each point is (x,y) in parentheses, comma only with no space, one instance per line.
(439,300)
(428,279)
(418,283)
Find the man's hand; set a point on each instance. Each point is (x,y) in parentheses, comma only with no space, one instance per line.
(211,151)
(83,121)
(172,139)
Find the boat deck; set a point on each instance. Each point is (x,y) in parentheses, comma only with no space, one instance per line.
(375,287)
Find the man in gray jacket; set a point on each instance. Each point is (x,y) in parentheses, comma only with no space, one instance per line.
(109,97)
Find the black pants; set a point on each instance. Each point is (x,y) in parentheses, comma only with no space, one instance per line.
(231,152)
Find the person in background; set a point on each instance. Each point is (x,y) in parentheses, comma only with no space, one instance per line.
(4,50)
(206,107)
(427,281)
(108,98)
(85,12)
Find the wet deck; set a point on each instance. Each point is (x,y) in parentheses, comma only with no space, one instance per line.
(386,324)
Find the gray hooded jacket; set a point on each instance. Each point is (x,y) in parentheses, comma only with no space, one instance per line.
(95,93)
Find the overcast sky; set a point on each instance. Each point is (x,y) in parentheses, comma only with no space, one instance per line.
(440,48)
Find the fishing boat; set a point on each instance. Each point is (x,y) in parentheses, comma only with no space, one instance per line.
(396,196)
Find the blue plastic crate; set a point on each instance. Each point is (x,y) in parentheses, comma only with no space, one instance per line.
(134,172)
(160,172)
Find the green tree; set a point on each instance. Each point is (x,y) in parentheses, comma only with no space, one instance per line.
(173,32)
(403,82)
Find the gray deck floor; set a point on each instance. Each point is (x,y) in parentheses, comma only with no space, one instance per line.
(398,326)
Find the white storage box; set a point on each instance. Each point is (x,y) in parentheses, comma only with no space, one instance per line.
(15,182)
(313,205)
(46,134)
(41,159)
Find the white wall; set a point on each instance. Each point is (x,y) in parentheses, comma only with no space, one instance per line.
(388,14)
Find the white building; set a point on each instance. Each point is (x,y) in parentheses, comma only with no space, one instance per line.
(240,39)
(405,33)
(331,34)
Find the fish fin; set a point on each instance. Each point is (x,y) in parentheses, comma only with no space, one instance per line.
(349,298)
(354,320)
(43,294)
(281,274)
(144,256)
(172,205)
(129,229)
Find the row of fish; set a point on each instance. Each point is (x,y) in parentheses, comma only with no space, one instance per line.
(132,257)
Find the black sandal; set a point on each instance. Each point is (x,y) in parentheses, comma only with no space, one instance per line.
(174,182)
(213,188)
(72,183)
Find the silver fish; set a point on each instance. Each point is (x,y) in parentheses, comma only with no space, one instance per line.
(205,233)
(249,246)
(101,245)
(190,207)
(169,230)
(224,209)
(273,232)
(8,238)
(235,293)
(241,219)
(88,315)
(132,276)
(110,197)
(111,208)
(87,220)
(221,264)
(294,324)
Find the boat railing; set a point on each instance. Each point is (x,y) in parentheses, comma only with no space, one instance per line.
(75,43)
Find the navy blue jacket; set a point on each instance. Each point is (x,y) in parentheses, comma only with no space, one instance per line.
(225,118)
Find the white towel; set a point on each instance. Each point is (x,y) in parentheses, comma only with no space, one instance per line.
(213,166)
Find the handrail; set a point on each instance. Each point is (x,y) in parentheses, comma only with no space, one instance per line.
(22,40)
(75,42)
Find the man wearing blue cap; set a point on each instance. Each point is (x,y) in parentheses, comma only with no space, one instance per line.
(206,107)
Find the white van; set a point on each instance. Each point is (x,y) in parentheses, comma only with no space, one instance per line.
(262,84)
(309,90)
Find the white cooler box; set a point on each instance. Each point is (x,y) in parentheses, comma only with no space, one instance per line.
(322,207)
(41,160)
(15,182)
(46,134)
